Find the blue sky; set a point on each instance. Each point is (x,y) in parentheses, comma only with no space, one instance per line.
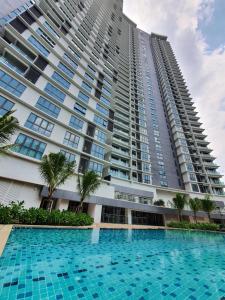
(196,30)
(213,30)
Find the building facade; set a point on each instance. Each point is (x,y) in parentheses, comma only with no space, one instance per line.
(85,81)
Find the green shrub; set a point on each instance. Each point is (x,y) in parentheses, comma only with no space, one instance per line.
(200,226)
(5,217)
(15,212)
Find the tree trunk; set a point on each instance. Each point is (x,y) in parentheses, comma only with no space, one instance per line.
(179,214)
(209,217)
(195,217)
(80,206)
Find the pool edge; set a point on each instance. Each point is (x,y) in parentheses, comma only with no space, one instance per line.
(5,231)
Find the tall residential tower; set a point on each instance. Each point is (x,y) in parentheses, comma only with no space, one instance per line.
(85,81)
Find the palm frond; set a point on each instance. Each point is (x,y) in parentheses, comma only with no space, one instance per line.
(55,170)
(8,126)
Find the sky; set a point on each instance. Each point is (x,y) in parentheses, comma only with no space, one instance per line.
(196,31)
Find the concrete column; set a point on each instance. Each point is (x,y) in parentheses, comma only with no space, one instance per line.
(95,211)
(129,216)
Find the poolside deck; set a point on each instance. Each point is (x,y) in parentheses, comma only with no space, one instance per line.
(4,235)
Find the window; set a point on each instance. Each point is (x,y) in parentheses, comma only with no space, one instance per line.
(96,167)
(76,123)
(26,145)
(77,56)
(100,135)
(107,83)
(45,37)
(80,109)
(54,92)
(69,156)
(38,46)
(100,121)
(50,29)
(5,105)
(147,178)
(38,124)
(67,71)
(11,85)
(48,107)
(13,63)
(97,151)
(146,167)
(88,77)
(105,101)
(61,80)
(70,61)
(71,140)
(86,86)
(102,110)
(83,97)
(107,92)
(91,69)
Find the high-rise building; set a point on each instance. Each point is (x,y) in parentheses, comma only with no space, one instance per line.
(84,80)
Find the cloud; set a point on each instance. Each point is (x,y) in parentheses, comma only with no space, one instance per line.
(204,72)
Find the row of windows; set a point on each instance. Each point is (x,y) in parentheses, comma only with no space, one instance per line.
(37,45)
(39,124)
(66,70)
(11,84)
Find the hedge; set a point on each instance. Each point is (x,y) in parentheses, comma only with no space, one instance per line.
(200,226)
(16,213)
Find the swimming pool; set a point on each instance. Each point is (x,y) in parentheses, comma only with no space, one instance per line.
(112,264)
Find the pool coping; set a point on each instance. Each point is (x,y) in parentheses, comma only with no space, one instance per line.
(5,231)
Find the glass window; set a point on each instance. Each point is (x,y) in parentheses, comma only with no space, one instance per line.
(70,61)
(66,70)
(40,32)
(71,140)
(91,69)
(50,29)
(37,45)
(147,178)
(107,92)
(76,54)
(61,80)
(83,97)
(39,125)
(96,167)
(5,105)
(80,109)
(76,123)
(54,92)
(100,135)
(100,121)
(11,84)
(107,83)
(97,151)
(26,145)
(48,107)
(88,77)
(102,110)
(69,156)
(86,86)
(105,101)
(13,63)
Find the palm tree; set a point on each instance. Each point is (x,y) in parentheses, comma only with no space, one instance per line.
(8,126)
(55,170)
(195,205)
(179,202)
(87,184)
(208,206)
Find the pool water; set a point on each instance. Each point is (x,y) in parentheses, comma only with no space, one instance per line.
(112,264)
